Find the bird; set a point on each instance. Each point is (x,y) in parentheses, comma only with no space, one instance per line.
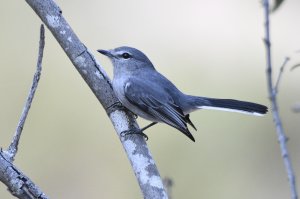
(148,94)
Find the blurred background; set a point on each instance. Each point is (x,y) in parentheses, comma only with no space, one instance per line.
(208,48)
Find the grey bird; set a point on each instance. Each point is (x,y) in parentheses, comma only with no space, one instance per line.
(150,95)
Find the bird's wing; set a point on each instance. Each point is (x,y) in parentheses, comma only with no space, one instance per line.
(157,103)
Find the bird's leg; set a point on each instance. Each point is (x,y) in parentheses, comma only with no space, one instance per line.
(137,131)
(135,116)
(148,126)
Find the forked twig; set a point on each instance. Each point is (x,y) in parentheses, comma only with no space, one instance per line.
(282,139)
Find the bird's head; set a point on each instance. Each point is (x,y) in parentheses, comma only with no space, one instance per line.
(127,59)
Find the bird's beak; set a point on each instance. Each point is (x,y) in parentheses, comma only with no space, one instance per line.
(106,53)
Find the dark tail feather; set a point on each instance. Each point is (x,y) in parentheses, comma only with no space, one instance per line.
(230,105)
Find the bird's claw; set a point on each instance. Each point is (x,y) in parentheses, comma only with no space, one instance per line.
(135,116)
(132,132)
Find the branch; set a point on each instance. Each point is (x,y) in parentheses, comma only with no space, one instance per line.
(13,148)
(282,139)
(18,184)
(295,66)
(280,74)
(135,146)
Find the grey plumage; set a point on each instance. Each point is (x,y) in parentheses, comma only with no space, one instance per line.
(150,95)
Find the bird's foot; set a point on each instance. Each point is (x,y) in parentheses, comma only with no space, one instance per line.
(135,116)
(132,132)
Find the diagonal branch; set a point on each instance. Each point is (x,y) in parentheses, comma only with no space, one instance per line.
(282,139)
(13,148)
(18,183)
(135,146)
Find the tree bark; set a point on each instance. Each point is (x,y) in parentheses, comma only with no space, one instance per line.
(135,146)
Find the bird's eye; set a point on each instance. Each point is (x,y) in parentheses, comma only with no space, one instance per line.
(126,55)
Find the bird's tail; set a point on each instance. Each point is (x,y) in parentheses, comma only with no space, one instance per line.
(228,105)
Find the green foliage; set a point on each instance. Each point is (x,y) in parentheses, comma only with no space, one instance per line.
(277,5)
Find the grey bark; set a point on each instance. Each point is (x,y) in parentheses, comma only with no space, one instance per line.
(282,139)
(135,146)
(18,183)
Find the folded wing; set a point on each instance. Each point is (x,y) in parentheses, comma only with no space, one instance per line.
(157,103)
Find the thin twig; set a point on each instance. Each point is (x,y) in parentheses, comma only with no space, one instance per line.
(295,66)
(280,73)
(13,148)
(17,182)
(282,139)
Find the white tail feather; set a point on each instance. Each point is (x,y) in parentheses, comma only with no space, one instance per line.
(229,110)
